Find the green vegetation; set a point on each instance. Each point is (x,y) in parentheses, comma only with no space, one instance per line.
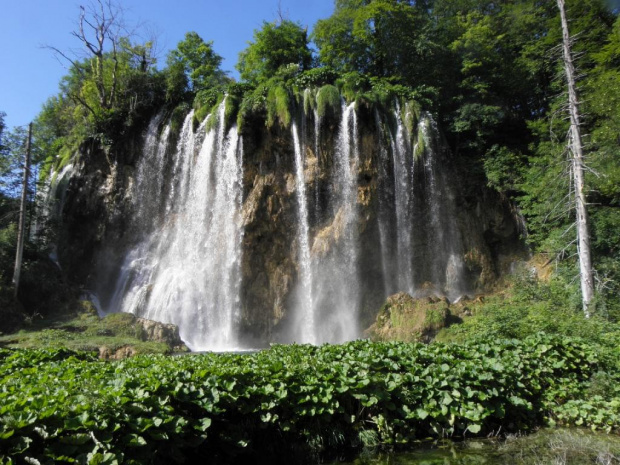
(486,70)
(403,318)
(115,336)
(278,106)
(196,61)
(328,101)
(529,305)
(293,402)
(42,290)
(276,45)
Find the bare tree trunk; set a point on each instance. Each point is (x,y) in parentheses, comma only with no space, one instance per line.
(22,217)
(576,147)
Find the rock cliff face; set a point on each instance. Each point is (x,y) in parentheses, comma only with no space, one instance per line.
(280,234)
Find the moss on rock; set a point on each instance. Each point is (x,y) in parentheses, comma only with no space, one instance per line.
(403,318)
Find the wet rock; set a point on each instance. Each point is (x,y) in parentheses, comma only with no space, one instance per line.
(150,330)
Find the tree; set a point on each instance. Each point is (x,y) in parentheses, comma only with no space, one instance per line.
(3,144)
(12,145)
(109,75)
(194,64)
(99,29)
(578,168)
(276,44)
(21,231)
(385,38)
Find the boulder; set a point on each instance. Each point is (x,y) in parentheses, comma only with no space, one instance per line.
(150,330)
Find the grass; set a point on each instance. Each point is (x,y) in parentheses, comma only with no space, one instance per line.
(84,331)
(562,446)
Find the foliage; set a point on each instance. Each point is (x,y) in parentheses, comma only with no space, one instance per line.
(278,106)
(204,102)
(381,38)
(289,401)
(253,107)
(276,45)
(529,306)
(316,77)
(489,71)
(199,64)
(328,101)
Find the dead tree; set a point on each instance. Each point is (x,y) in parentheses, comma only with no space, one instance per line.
(104,37)
(578,168)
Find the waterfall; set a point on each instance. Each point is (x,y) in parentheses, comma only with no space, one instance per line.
(51,200)
(404,166)
(187,271)
(150,174)
(335,295)
(444,242)
(305,301)
(343,317)
(334,248)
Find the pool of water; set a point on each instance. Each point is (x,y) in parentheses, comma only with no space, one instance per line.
(549,446)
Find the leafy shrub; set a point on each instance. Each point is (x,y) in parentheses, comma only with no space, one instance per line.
(253,106)
(204,101)
(353,84)
(278,106)
(289,401)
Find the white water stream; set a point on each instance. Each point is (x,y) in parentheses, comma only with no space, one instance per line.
(186,269)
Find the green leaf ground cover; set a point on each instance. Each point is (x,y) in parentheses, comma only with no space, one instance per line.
(289,402)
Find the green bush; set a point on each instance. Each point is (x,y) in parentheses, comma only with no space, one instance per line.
(328,101)
(316,77)
(253,106)
(278,106)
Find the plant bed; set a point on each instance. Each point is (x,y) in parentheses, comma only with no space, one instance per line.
(290,404)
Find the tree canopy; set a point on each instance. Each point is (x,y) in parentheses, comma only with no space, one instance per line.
(276,44)
(198,62)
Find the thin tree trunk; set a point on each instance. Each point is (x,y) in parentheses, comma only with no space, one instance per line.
(576,145)
(22,216)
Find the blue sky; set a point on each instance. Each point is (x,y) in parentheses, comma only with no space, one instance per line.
(29,74)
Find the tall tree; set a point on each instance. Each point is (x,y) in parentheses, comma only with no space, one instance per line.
(379,37)
(99,29)
(193,66)
(21,231)
(578,168)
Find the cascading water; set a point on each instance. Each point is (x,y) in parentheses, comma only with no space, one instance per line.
(150,175)
(420,245)
(305,302)
(404,167)
(188,271)
(445,243)
(50,200)
(333,303)
(186,265)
